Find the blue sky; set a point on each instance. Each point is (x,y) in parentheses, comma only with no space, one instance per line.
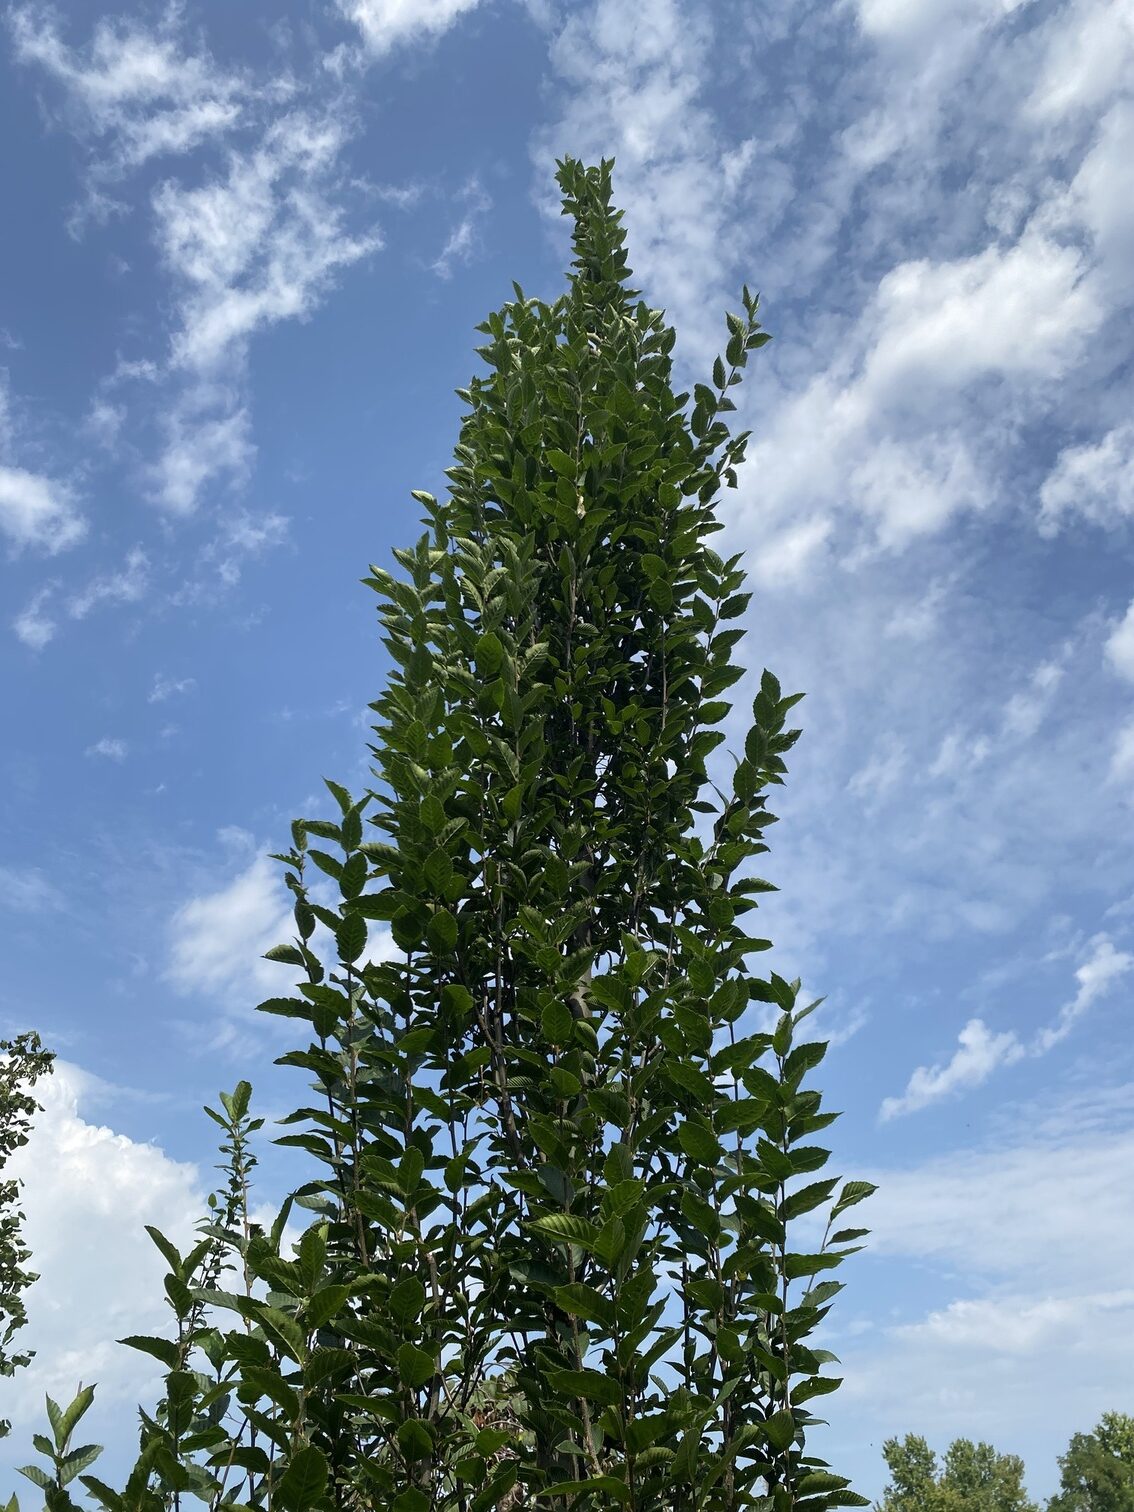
(242,253)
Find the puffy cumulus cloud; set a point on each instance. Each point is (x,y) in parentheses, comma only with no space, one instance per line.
(35,510)
(386,24)
(888,437)
(88,1193)
(1094,481)
(1088,51)
(980,1052)
(217,939)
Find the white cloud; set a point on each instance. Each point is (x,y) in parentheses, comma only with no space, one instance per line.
(914,20)
(980,1052)
(244,535)
(1122,759)
(140,90)
(1024,711)
(217,939)
(38,511)
(33,625)
(27,892)
(1096,976)
(631,85)
(1088,54)
(386,24)
(1094,481)
(169,687)
(83,1179)
(1120,645)
(110,747)
(884,435)
(463,239)
(257,246)
(125,586)
(199,449)
(1021,1256)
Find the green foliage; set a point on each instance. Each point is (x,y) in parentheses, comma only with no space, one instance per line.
(1097,1471)
(973,1478)
(23,1061)
(562,1129)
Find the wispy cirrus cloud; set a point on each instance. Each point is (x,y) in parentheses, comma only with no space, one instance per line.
(981,1052)
(136,92)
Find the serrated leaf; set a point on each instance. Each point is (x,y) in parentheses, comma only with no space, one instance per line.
(567,1228)
(415,1367)
(350,937)
(303,1482)
(699,1143)
(592,1385)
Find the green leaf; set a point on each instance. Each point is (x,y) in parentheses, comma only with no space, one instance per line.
(327,1302)
(407,1300)
(780,1430)
(441,931)
(567,1228)
(489,654)
(77,1460)
(607,1485)
(350,937)
(304,1481)
(414,1439)
(557,1023)
(438,870)
(589,1384)
(582,1301)
(415,1367)
(852,1192)
(699,1143)
(164,1350)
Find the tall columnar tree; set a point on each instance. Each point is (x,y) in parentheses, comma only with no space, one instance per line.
(561,1125)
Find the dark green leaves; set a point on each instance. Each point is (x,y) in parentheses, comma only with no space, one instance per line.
(555,1152)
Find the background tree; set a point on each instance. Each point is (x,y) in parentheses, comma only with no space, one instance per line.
(1097,1471)
(560,1127)
(973,1478)
(23,1061)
